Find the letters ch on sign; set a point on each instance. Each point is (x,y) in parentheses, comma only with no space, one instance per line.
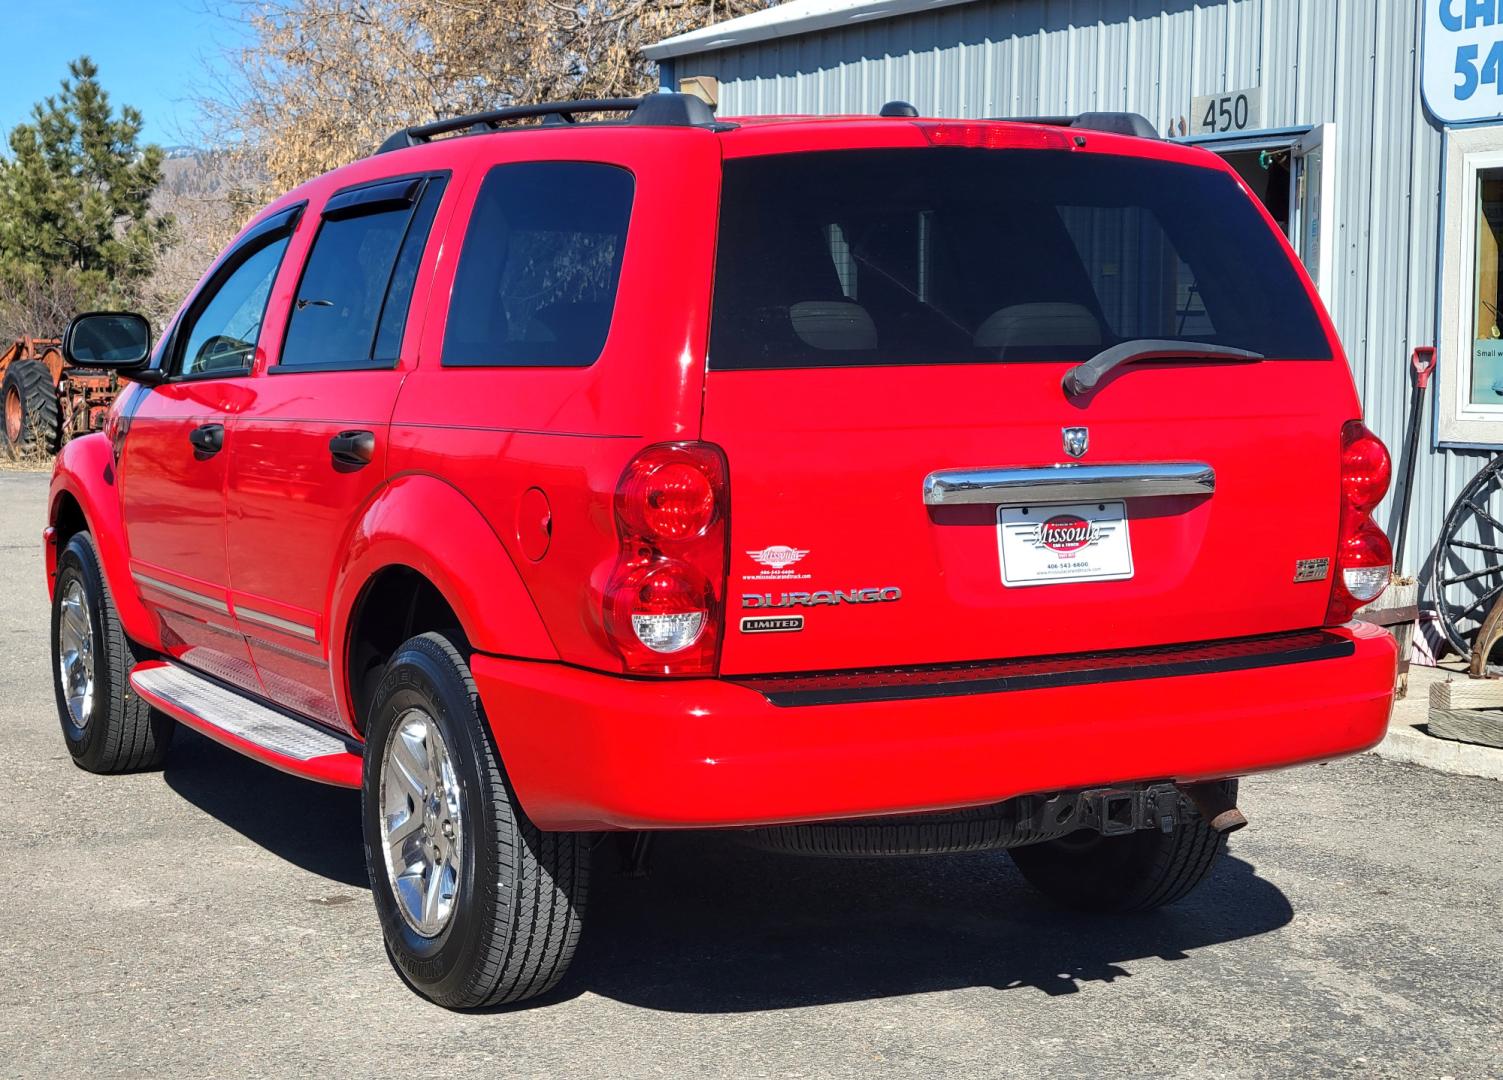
(1463,59)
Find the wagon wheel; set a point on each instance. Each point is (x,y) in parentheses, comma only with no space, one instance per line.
(1466,576)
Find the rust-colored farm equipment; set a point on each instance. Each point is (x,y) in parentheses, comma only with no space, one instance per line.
(44,402)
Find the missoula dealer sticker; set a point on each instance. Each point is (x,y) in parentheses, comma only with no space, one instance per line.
(1041,545)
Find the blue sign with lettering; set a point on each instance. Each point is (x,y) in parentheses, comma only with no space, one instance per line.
(1462,73)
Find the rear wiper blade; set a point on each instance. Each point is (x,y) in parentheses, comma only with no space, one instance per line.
(1082,378)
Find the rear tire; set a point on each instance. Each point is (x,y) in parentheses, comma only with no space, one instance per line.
(28,410)
(107,726)
(505,916)
(1138,872)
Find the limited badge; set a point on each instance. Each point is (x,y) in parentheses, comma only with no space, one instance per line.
(1311,569)
(782,624)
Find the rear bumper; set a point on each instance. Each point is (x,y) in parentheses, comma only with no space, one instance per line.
(592,751)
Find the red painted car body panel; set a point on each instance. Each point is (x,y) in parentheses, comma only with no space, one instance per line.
(287,496)
(426,524)
(588,751)
(857,506)
(477,469)
(85,473)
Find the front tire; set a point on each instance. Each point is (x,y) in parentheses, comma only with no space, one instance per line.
(1137,872)
(478,906)
(107,726)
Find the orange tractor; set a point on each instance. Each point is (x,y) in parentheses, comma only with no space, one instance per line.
(44,402)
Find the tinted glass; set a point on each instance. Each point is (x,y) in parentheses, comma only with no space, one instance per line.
(537,277)
(966,256)
(399,294)
(352,302)
(223,335)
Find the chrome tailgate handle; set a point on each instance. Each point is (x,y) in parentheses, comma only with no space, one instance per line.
(1067,483)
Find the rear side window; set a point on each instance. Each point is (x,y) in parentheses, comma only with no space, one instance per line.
(537,277)
(950,256)
(352,301)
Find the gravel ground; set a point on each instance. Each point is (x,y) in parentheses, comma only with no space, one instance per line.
(214,920)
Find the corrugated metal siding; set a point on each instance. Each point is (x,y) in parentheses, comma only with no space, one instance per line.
(1354,64)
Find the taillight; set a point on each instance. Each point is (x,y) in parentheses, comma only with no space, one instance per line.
(1364,560)
(1365,467)
(665,604)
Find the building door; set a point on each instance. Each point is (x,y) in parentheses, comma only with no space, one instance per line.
(1314,156)
(1292,171)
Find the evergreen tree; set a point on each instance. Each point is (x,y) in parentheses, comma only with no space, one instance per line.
(75,196)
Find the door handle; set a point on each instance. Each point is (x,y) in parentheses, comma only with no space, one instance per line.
(353,447)
(207,439)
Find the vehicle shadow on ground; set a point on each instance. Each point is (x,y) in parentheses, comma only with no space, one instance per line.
(313,826)
(720,927)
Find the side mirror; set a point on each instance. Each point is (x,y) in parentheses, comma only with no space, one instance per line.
(119,341)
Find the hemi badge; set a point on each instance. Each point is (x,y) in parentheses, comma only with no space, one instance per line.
(1311,569)
(780,624)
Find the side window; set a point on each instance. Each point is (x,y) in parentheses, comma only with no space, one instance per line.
(352,302)
(221,336)
(537,277)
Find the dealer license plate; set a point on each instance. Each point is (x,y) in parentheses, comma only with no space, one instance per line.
(1042,545)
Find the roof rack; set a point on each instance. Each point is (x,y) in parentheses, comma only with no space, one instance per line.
(1117,123)
(653,110)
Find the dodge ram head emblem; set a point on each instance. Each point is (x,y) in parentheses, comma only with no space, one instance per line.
(1076,440)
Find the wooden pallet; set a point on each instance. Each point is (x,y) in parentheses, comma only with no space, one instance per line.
(1468,710)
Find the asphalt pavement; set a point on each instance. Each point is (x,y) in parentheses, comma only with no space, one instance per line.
(214,920)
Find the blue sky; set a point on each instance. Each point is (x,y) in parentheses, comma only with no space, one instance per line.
(151,54)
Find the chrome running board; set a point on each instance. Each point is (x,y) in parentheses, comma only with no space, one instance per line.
(242,723)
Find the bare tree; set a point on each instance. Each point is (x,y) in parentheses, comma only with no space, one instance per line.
(209,195)
(39,305)
(322,82)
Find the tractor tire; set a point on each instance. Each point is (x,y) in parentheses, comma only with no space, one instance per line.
(28,411)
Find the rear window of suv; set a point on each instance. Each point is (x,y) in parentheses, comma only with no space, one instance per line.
(949,256)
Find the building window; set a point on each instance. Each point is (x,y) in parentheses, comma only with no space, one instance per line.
(1487,339)
(1471,298)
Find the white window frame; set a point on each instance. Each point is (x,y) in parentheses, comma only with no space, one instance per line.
(1459,422)
(1322,138)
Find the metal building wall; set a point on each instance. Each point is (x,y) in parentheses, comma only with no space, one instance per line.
(1351,62)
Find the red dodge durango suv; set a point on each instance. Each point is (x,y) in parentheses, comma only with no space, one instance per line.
(865,485)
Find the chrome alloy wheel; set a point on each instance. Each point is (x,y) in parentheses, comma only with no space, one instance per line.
(422,823)
(75,652)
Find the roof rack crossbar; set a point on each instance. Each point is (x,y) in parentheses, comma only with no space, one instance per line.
(660,110)
(1118,123)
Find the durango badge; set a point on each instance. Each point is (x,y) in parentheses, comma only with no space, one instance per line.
(823,596)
